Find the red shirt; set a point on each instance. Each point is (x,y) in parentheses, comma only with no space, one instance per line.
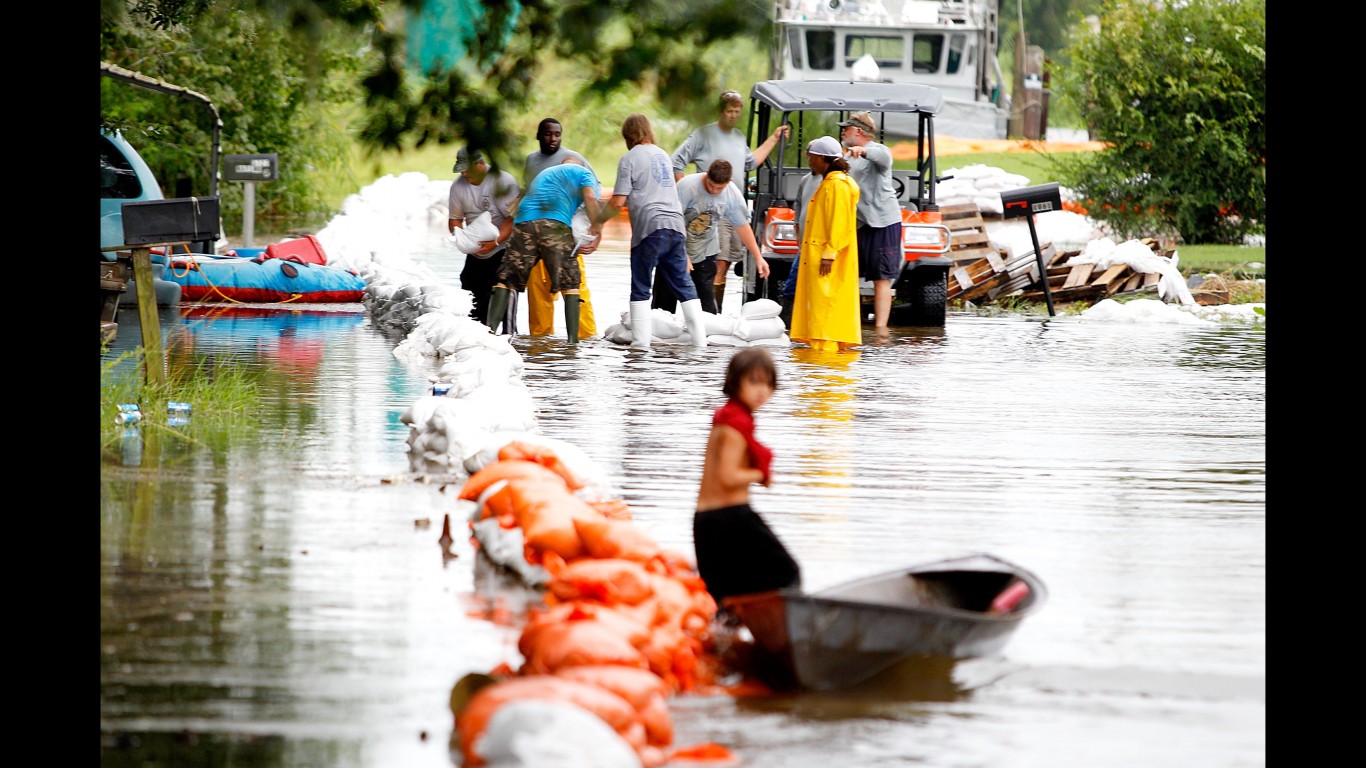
(736,415)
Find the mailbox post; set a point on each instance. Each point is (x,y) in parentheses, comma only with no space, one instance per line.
(250,169)
(1027,201)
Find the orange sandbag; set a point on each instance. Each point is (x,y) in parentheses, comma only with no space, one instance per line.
(608,580)
(625,625)
(644,689)
(616,538)
(709,751)
(578,640)
(609,707)
(616,509)
(541,455)
(546,516)
(512,471)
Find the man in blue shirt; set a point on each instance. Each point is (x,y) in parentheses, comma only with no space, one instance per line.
(542,231)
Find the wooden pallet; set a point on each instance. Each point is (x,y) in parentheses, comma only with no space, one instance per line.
(968,234)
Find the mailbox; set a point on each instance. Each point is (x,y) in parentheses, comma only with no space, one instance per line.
(1026,201)
(251,167)
(175,220)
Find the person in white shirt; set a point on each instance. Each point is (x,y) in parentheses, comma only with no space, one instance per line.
(723,140)
(708,199)
(475,190)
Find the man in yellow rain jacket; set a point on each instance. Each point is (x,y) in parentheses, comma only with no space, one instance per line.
(825,311)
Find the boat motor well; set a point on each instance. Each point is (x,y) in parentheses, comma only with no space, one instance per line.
(813,108)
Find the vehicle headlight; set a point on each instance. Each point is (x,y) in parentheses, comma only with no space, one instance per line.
(920,237)
(784,230)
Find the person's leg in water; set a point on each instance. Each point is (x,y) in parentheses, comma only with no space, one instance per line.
(477,277)
(703,276)
(673,262)
(789,292)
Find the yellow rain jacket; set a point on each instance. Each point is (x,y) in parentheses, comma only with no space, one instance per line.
(540,308)
(825,312)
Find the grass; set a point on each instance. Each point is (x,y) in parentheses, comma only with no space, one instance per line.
(220,395)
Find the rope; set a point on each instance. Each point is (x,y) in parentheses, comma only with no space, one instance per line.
(193,264)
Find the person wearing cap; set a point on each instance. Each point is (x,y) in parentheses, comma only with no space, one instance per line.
(540,303)
(723,140)
(880,250)
(825,310)
(543,232)
(475,190)
(645,185)
(708,199)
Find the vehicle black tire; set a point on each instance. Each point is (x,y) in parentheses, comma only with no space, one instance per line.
(925,298)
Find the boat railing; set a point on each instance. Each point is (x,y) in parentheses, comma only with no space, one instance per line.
(942,12)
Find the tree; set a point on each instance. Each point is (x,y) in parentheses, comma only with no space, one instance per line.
(646,43)
(1177,88)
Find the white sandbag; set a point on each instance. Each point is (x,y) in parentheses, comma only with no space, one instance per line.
(466,239)
(530,733)
(777,341)
(760,309)
(761,328)
(726,340)
(664,325)
(719,325)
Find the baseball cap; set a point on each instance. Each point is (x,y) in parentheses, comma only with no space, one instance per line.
(465,157)
(825,146)
(863,120)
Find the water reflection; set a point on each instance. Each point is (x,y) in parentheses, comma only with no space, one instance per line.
(275,594)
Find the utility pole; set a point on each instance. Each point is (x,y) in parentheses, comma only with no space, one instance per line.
(1018,100)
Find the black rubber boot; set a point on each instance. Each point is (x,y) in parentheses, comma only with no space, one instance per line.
(498,307)
(786,314)
(571,317)
(719,291)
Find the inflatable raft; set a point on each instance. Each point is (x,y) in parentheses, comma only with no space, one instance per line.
(203,277)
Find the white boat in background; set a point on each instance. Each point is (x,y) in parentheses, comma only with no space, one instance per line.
(947,44)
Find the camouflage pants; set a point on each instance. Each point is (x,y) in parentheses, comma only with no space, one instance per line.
(540,240)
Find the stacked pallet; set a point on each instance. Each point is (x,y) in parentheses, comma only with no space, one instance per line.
(1082,282)
(982,273)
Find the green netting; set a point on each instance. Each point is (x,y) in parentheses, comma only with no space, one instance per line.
(439,34)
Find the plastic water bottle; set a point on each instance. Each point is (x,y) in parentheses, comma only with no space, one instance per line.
(440,388)
(128,414)
(131,446)
(177,414)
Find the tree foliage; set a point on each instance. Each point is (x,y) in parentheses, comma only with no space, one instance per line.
(269,98)
(1177,88)
(291,48)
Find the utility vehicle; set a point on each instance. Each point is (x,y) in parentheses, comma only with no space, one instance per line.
(814,108)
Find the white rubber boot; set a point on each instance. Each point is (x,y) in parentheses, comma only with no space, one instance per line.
(641,324)
(696,322)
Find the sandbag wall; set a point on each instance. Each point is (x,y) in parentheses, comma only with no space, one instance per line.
(624,626)
(625,623)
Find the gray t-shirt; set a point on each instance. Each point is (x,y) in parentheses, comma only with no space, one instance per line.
(877,203)
(537,162)
(645,176)
(495,195)
(703,213)
(710,143)
(805,189)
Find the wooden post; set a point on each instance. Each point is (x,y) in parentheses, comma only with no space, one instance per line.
(1032,104)
(1015,123)
(154,357)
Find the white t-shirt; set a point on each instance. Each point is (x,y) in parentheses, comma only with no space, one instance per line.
(703,213)
(495,194)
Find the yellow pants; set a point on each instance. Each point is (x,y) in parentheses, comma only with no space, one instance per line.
(541,308)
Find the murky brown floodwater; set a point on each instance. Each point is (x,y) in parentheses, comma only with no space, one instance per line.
(276,596)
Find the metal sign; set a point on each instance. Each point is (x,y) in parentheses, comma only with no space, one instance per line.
(251,167)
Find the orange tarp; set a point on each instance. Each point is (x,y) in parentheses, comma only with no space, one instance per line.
(948,145)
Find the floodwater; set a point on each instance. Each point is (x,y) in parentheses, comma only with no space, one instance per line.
(277,596)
